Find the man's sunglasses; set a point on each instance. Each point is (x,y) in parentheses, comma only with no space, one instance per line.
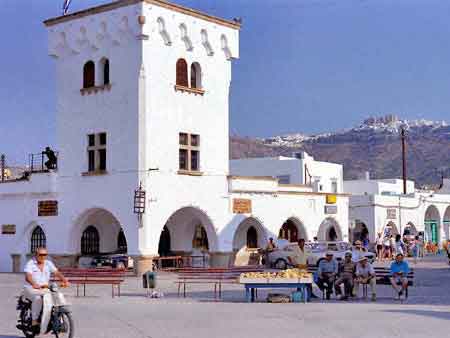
(42,255)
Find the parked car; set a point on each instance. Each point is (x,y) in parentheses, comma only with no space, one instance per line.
(278,258)
(116,261)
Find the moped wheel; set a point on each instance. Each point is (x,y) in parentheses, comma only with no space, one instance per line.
(25,316)
(67,328)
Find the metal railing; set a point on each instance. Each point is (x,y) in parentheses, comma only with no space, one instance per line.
(41,162)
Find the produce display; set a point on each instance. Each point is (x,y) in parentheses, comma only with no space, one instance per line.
(285,276)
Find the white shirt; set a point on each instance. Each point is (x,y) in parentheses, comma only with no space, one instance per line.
(380,240)
(364,271)
(356,255)
(38,276)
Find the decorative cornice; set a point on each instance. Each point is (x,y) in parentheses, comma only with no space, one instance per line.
(123,3)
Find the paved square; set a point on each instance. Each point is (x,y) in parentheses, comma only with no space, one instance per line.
(425,314)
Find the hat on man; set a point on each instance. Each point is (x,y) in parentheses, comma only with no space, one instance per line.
(348,254)
(399,254)
(362,259)
(329,253)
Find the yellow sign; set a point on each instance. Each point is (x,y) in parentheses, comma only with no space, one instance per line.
(242,206)
(331,199)
(8,229)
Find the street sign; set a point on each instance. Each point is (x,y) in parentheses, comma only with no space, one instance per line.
(242,206)
(47,208)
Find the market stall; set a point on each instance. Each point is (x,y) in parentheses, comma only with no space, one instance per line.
(298,279)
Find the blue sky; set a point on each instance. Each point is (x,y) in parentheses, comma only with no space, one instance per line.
(306,65)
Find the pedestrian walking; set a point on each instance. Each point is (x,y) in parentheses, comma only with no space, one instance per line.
(379,244)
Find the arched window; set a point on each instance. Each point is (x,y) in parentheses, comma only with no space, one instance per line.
(122,242)
(89,74)
(196,76)
(252,238)
(38,239)
(106,72)
(90,241)
(182,73)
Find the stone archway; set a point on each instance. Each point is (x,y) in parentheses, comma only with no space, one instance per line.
(105,224)
(432,222)
(191,229)
(245,233)
(292,230)
(329,230)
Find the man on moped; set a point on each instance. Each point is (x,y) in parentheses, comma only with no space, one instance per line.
(37,277)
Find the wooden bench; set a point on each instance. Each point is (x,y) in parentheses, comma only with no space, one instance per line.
(213,276)
(383,275)
(83,277)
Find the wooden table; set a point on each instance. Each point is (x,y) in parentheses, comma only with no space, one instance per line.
(251,289)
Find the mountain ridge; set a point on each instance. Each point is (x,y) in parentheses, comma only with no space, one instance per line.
(374,146)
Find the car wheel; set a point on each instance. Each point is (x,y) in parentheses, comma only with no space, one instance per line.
(280,264)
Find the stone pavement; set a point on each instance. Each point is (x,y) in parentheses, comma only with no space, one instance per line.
(425,314)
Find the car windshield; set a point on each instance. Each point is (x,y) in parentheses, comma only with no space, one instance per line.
(316,247)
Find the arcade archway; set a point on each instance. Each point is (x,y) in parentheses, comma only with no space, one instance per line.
(432,225)
(249,233)
(292,230)
(329,230)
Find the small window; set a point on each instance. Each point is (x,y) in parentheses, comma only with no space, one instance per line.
(189,153)
(195,160)
(91,159)
(184,139)
(195,140)
(182,73)
(184,159)
(38,239)
(102,139)
(91,140)
(196,76)
(102,159)
(89,75)
(334,187)
(96,151)
(284,179)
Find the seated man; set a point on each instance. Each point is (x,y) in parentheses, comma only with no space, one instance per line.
(346,273)
(399,274)
(37,276)
(365,274)
(327,273)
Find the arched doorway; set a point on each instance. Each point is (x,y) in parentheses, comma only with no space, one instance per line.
(359,232)
(189,229)
(250,233)
(432,225)
(292,230)
(329,230)
(409,230)
(98,231)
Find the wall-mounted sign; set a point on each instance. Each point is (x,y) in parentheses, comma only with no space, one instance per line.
(8,229)
(331,199)
(391,213)
(242,206)
(48,208)
(331,209)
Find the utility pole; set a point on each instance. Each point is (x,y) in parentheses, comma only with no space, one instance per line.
(403,137)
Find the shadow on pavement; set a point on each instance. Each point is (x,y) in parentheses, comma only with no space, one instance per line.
(426,313)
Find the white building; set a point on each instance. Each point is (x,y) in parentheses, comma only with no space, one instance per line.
(380,205)
(142,100)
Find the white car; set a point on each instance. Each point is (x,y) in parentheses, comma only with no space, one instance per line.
(278,258)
